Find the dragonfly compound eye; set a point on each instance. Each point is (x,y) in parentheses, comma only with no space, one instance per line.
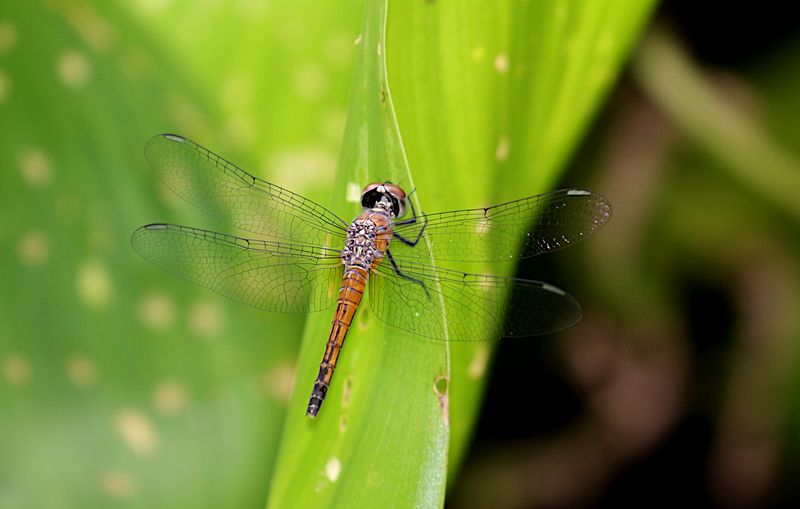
(398,197)
(374,193)
(370,198)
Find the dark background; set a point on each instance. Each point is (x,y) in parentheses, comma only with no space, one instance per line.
(694,458)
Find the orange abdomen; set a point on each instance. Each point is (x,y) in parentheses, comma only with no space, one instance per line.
(353,284)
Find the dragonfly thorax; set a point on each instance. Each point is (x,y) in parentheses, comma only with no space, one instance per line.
(360,247)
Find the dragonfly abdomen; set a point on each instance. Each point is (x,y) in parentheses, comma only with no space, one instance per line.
(353,284)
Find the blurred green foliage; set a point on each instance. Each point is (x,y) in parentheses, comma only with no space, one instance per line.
(122,385)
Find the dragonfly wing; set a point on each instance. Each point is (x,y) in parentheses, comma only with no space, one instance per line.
(456,306)
(231,194)
(517,229)
(274,276)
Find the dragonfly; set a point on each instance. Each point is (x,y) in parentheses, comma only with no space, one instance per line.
(305,258)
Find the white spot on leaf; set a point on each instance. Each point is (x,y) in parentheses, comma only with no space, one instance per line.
(117,484)
(81,371)
(8,37)
(477,366)
(93,29)
(279,381)
(16,369)
(501,63)
(157,311)
(73,68)
(303,167)
(333,468)
(170,397)
(94,284)
(353,193)
(136,430)
(34,249)
(348,389)
(503,149)
(205,318)
(35,167)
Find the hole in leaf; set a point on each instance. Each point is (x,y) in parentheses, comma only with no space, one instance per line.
(440,386)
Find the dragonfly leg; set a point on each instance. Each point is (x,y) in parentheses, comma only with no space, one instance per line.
(412,220)
(412,243)
(406,276)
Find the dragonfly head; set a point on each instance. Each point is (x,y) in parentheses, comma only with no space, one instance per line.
(385,192)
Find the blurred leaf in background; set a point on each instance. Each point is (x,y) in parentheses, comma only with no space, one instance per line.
(121,385)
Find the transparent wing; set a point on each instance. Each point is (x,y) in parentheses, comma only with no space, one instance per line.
(475,303)
(229,193)
(273,276)
(517,229)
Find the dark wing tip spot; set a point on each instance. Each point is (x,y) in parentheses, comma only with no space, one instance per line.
(156,226)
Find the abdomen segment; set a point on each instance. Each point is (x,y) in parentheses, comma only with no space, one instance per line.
(353,284)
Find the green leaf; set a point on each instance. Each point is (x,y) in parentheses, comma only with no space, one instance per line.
(491,99)
(363,450)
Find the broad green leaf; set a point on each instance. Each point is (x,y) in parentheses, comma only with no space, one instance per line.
(372,445)
(490,100)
